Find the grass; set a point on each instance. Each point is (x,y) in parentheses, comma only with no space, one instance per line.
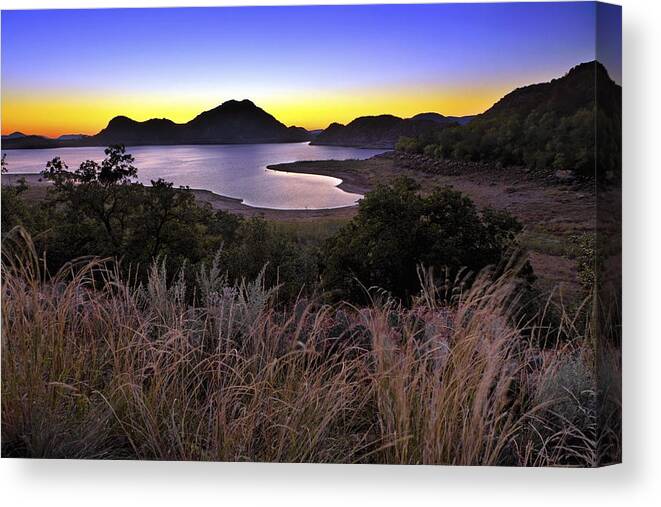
(310,231)
(545,242)
(97,366)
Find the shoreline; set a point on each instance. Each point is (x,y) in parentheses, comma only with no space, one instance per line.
(534,203)
(218,202)
(234,205)
(350,181)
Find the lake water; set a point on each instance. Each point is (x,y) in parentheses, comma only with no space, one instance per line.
(237,170)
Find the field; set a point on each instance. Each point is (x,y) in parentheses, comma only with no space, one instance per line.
(96,367)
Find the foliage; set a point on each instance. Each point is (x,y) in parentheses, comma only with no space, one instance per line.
(15,211)
(99,210)
(583,249)
(120,370)
(545,127)
(409,144)
(257,245)
(397,229)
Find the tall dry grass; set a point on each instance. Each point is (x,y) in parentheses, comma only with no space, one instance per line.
(97,366)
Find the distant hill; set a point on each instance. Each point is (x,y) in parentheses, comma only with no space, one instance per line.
(545,127)
(241,122)
(232,122)
(28,142)
(439,118)
(14,135)
(71,137)
(17,140)
(379,131)
(124,130)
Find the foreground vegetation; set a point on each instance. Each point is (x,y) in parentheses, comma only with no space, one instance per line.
(139,324)
(95,366)
(97,209)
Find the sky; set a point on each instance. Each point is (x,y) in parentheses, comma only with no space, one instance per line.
(71,71)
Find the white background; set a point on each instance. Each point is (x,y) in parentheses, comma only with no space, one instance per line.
(636,482)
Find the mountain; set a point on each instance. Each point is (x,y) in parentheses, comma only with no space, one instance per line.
(28,142)
(241,122)
(379,131)
(71,137)
(124,130)
(14,135)
(439,118)
(232,122)
(546,127)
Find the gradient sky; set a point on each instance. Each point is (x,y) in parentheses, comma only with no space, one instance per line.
(70,71)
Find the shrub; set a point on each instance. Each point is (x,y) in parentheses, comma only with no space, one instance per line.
(583,250)
(409,145)
(397,229)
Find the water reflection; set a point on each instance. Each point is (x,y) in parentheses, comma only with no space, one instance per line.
(237,171)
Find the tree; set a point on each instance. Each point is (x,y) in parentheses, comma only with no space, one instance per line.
(98,191)
(164,205)
(98,209)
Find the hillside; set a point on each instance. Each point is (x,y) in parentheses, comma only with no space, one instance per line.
(439,118)
(544,127)
(23,141)
(379,131)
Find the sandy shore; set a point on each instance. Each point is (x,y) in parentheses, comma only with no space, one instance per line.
(354,179)
(232,205)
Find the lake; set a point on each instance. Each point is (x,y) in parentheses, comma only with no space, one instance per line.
(234,170)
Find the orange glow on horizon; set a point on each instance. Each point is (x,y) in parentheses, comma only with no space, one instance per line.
(55,114)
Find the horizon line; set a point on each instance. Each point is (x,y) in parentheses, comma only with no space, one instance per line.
(61,132)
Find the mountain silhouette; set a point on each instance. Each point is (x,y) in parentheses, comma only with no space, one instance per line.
(439,118)
(14,135)
(232,122)
(379,131)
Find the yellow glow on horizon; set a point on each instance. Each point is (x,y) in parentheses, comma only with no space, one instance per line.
(56,114)
(318,111)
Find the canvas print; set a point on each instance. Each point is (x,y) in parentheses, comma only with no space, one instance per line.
(358,234)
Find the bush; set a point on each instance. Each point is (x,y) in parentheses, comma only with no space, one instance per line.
(583,250)
(257,245)
(409,145)
(397,229)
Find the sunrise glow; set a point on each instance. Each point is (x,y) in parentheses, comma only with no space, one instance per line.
(308,66)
